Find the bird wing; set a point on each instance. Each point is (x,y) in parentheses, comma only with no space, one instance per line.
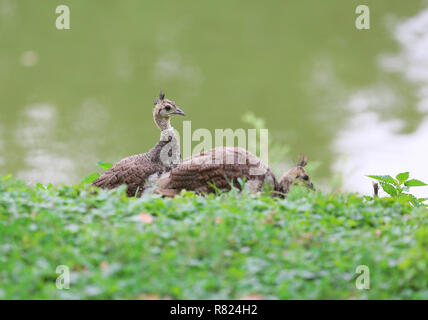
(132,171)
(218,166)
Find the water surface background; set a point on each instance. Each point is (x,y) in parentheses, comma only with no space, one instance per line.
(354,101)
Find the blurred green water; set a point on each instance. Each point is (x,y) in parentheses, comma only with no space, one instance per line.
(70,98)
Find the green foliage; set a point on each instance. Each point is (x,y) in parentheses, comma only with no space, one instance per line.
(104,165)
(44,187)
(220,246)
(90,178)
(398,187)
(6,177)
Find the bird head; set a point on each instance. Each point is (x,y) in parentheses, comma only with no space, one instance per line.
(296,175)
(165,108)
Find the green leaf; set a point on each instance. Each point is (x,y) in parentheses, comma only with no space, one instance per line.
(414,183)
(43,187)
(386,178)
(413,200)
(389,189)
(89,179)
(6,177)
(104,165)
(401,177)
(405,197)
(352,223)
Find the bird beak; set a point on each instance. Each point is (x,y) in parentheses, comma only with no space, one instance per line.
(179,112)
(311,185)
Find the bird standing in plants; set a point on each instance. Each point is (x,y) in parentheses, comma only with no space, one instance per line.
(136,170)
(223,166)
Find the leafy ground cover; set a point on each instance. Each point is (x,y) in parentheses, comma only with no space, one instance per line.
(307,246)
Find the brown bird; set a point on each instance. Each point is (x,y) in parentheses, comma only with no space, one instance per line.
(225,165)
(134,171)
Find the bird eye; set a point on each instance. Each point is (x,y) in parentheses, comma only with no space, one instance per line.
(306,178)
(167,108)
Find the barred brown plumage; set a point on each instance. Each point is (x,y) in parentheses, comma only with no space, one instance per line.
(225,165)
(134,171)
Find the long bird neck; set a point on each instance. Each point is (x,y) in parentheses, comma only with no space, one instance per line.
(162,123)
(167,150)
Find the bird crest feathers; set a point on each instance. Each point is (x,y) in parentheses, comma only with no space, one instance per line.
(302,160)
(161,97)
